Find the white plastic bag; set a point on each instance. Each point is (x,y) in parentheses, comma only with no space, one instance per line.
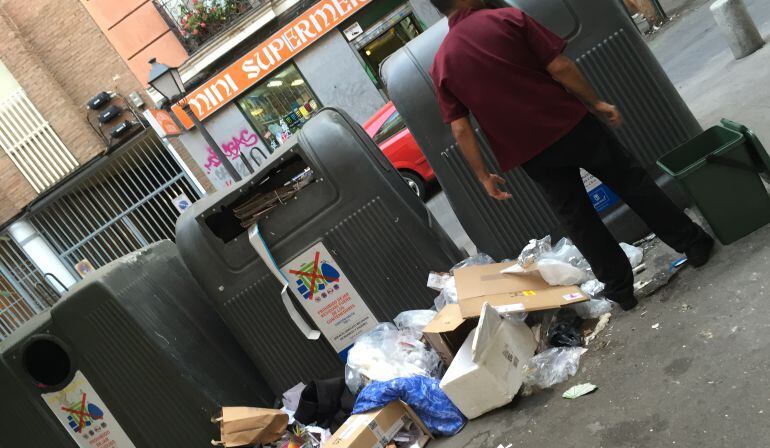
(560,273)
(552,366)
(634,254)
(414,320)
(592,308)
(564,251)
(385,353)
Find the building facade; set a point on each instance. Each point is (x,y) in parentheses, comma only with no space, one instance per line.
(91,169)
(260,77)
(79,187)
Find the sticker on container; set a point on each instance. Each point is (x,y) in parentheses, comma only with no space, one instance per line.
(329,297)
(601,196)
(512,308)
(181,203)
(573,296)
(85,416)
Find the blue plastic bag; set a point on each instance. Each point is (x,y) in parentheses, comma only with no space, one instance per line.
(423,394)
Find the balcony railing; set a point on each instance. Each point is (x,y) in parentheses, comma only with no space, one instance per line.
(197,21)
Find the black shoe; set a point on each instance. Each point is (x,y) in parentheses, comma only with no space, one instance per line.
(700,253)
(626,301)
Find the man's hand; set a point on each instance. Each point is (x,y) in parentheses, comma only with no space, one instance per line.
(491,183)
(608,113)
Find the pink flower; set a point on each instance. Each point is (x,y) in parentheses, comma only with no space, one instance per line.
(203,24)
(194,2)
(195,32)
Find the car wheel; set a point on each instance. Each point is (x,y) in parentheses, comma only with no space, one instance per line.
(415,183)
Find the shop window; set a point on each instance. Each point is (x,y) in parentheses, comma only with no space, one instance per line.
(392,126)
(280,105)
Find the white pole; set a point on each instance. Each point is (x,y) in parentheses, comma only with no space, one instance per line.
(41,254)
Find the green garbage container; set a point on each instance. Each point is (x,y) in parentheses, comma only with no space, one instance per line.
(720,170)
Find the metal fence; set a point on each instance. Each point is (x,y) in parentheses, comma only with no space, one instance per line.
(126,205)
(24,291)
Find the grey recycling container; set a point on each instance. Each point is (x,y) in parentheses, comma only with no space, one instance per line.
(132,355)
(355,227)
(25,421)
(616,60)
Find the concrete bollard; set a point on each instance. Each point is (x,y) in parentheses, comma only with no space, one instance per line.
(737,26)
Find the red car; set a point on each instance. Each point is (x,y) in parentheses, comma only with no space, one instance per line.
(389,131)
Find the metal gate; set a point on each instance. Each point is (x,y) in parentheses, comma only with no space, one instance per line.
(132,201)
(23,289)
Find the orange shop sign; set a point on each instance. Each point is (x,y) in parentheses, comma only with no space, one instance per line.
(267,56)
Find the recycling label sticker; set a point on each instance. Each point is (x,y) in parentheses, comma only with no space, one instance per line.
(85,416)
(602,197)
(329,297)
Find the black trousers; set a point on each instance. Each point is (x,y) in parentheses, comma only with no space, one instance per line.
(593,147)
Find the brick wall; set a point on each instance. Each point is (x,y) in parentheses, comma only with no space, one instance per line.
(61,59)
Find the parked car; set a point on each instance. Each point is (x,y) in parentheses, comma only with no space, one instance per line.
(389,131)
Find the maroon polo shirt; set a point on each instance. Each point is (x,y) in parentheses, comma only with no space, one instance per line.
(493,64)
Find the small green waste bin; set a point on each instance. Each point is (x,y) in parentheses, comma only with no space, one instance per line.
(720,169)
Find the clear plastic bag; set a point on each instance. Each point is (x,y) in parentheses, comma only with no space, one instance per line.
(635,254)
(593,288)
(414,320)
(552,366)
(474,260)
(533,251)
(448,294)
(385,353)
(593,308)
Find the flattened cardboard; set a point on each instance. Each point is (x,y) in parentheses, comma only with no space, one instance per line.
(377,428)
(484,283)
(447,332)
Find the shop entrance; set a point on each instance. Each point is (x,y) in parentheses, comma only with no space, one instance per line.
(375,52)
(380,30)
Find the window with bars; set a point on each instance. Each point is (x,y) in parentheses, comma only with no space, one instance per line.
(31,144)
(131,202)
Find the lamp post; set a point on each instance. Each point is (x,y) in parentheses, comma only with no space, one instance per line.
(167,81)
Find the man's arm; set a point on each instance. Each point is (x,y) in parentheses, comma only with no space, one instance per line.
(469,145)
(569,75)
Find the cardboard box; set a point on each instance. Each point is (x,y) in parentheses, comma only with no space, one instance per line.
(488,370)
(447,332)
(479,284)
(377,428)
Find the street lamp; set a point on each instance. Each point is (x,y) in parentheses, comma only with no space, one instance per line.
(167,81)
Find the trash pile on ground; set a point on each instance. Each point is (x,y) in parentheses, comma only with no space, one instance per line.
(498,330)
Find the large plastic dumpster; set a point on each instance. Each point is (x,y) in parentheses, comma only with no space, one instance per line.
(354,243)
(132,355)
(605,44)
(720,170)
(25,421)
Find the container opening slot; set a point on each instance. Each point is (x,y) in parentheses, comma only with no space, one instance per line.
(275,188)
(47,362)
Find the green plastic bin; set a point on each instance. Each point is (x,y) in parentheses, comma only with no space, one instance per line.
(720,170)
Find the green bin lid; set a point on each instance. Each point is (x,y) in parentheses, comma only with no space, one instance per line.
(762,158)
